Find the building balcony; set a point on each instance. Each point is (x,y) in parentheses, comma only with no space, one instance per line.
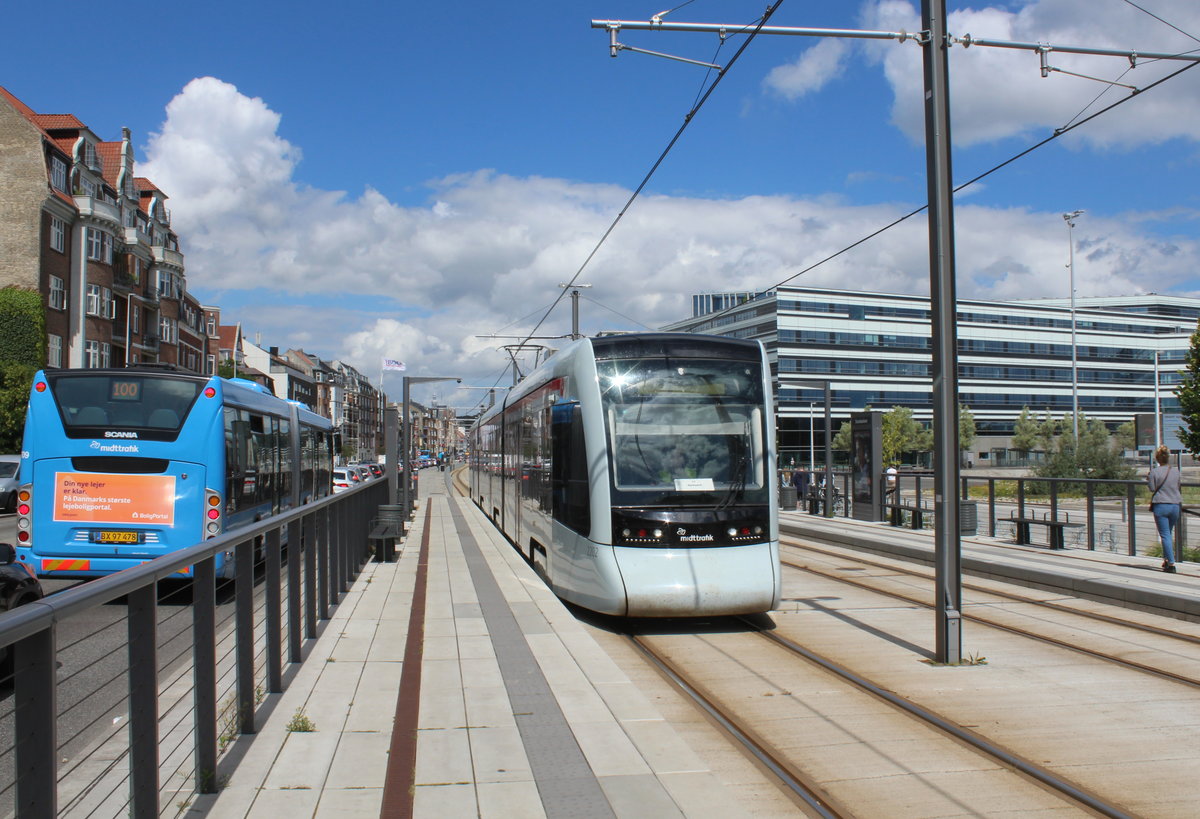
(98,209)
(134,236)
(171,258)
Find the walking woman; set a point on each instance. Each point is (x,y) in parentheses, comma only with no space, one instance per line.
(1165,503)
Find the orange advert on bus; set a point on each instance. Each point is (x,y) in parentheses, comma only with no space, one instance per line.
(88,497)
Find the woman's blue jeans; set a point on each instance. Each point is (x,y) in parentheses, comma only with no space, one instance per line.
(1166,518)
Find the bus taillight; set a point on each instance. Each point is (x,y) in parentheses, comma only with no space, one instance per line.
(25,514)
(212,514)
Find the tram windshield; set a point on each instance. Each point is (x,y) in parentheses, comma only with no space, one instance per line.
(684,427)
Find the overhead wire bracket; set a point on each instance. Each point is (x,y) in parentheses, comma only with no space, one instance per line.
(615,48)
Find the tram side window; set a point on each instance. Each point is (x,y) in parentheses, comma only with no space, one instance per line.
(569,473)
(306,461)
(324,465)
(283,444)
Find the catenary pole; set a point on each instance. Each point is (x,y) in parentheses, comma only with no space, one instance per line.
(940,180)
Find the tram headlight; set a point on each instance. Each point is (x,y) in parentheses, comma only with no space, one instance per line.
(658,532)
(731,532)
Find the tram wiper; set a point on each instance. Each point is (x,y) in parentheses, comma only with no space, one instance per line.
(737,484)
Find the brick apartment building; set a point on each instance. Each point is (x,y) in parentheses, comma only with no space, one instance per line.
(78,226)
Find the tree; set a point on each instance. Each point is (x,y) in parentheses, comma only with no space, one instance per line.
(966,427)
(1188,393)
(842,439)
(22,352)
(1126,435)
(1095,456)
(903,433)
(1027,434)
(15,381)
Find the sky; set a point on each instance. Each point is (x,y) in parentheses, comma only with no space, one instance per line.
(414,181)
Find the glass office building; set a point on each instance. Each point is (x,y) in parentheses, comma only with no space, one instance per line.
(874,349)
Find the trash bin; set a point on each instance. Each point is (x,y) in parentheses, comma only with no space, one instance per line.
(787,497)
(968,517)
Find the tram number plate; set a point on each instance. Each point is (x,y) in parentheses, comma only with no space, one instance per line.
(116,537)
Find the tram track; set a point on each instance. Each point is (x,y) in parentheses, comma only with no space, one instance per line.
(1018,598)
(805,787)
(793,781)
(1191,681)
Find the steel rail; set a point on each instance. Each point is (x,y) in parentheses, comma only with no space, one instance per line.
(794,781)
(964,735)
(1191,682)
(1091,615)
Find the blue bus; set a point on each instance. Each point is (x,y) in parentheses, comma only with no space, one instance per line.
(120,466)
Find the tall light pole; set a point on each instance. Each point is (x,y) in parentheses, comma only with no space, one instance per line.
(406,435)
(1070,218)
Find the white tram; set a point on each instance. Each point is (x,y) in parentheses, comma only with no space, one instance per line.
(635,473)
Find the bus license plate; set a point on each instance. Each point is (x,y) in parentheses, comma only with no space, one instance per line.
(116,537)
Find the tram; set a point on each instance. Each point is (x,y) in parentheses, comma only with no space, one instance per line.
(635,473)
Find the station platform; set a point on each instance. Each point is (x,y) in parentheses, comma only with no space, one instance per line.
(452,683)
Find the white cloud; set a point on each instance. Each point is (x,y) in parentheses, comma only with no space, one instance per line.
(811,71)
(999,92)
(363,278)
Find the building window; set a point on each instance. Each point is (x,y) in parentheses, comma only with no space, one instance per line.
(135,319)
(210,365)
(91,354)
(58,234)
(53,350)
(93,300)
(58,174)
(108,303)
(58,295)
(168,330)
(99,246)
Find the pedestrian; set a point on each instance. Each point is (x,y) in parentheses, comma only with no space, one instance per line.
(893,476)
(1166,501)
(800,481)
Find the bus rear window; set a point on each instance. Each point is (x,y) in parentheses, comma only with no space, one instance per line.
(110,401)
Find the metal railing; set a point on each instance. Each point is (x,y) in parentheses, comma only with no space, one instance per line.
(198,672)
(1104,514)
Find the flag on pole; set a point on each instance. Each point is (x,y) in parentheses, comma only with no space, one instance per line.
(390,364)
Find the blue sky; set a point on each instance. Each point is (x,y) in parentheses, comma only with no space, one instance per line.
(378,179)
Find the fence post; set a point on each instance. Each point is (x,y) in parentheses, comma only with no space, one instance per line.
(204,672)
(274,626)
(36,724)
(1091,515)
(143,701)
(243,595)
(295,652)
(1131,505)
(991,507)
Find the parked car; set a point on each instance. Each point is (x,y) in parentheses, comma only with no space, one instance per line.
(376,470)
(365,472)
(18,586)
(345,477)
(9,466)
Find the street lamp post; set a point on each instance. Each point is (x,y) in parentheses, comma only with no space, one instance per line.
(406,435)
(1070,218)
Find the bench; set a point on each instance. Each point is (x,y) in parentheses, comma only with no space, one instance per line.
(383,536)
(1054,529)
(896,510)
